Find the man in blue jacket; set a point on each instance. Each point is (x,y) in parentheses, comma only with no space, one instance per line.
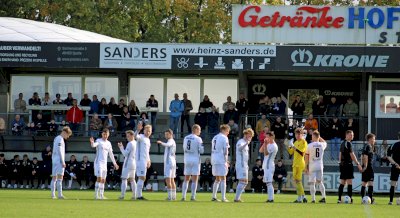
(176,107)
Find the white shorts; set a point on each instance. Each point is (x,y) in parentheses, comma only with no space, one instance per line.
(315,175)
(57,169)
(191,169)
(100,171)
(242,173)
(219,170)
(169,171)
(141,169)
(128,173)
(269,175)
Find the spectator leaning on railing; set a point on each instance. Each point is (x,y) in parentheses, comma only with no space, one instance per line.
(17,125)
(228,102)
(261,123)
(58,114)
(95,125)
(94,105)
(350,108)
(74,116)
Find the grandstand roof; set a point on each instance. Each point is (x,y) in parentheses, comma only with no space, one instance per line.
(17,29)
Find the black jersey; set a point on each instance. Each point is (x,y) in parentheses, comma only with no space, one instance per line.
(370,153)
(346,148)
(394,152)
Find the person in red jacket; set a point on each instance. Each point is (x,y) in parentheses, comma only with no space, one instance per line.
(74,116)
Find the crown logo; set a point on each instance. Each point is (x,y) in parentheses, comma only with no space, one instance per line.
(301,58)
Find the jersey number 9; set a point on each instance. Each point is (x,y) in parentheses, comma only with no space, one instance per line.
(188,145)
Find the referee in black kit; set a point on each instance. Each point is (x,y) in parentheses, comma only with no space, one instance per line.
(394,158)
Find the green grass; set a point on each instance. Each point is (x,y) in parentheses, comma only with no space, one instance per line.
(37,203)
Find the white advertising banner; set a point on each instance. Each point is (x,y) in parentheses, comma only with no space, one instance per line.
(160,56)
(307,24)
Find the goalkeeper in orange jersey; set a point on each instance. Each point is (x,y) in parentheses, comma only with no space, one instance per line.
(298,148)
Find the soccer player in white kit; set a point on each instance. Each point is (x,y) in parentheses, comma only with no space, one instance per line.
(192,147)
(142,157)
(270,149)
(103,147)
(169,164)
(242,162)
(129,167)
(314,165)
(219,161)
(58,162)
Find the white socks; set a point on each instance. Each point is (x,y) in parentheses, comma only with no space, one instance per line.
(133,188)
(185,188)
(270,188)
(96,190)
(215,189)
(59,187)
(239,189)
(53,188)
(124,184)
(223,189)
(70,183)
(169,194)
(101,190)
(322,189)
(194,189)
(173,194)
(139,188)
(312,191)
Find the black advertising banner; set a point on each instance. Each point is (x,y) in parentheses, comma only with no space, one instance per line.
(337,59)
(50,55)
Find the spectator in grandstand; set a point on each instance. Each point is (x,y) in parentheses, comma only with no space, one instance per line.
(113,106)
(69,100)
(298,108)
(85,172)
(279,129)
(53,128)
(350,108)
(262,134)
(178,180)
(231,114)
(15,172)
(391,107)
(309,135)
(85,101)
(26,171)
(74,116)
(291,130)
(58,114)
(186,113)
(176,107)
(206,175)
(201,119)
(144,119)
(234,131)
(20,104)
(261,123)
(281,105)
(94,105)
(35,100)
(121,106)
(274,106)
(2,125)
(3,170)
(264,106)
(257,184)
(319,106)
(46,101)
(242,104)
(206,104)
(133,109)
(382,153)
(30,129)
(127,122)
(311,123)
(103,109)
(40,125)
(231,177)
(152,103)
(35,173)
(351,125)
(46,167)
(113,175)
(17,125)
(213,122)
(110,123)
(62,125)
(333,108)
(280,175)
(336,130)
(71,171)
(228,102)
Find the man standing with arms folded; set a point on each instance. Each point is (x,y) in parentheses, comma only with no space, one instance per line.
(242,162)
(219,161)
(129,167)
(394,158)
(142,157)
(270,149)
(192,148)
(58,162)
(186,113)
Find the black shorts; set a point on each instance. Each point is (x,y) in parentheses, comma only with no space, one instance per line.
(368,175)
(394,174)
(346,171)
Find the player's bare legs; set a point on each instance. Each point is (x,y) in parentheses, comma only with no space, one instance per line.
(240,189)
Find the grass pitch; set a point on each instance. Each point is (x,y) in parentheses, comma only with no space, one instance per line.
(37,203)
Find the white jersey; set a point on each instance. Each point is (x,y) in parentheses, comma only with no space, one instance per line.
(142,149)
(219,149)
(242,153)
(169,152)
(269,160)
(130,155)
(103,148)
(58,155)
(192,148)
(315,151)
